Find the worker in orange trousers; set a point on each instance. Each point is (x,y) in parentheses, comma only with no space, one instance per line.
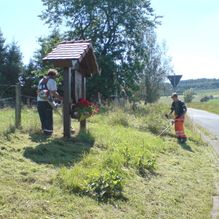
(179,108)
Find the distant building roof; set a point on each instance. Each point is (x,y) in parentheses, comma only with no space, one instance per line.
(81,51)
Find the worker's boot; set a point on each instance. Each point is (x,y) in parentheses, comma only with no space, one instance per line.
(183,140)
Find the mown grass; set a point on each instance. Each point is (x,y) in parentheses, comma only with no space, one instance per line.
(119,168)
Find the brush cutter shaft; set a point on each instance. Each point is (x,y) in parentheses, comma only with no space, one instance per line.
(172,122)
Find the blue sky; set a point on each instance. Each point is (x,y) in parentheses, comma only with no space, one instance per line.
(191,31)
(189,27)
(19,22)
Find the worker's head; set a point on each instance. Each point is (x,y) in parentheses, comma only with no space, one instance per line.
(52,73)
(174,96)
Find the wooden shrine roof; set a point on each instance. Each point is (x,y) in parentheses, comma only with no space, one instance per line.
(80,51)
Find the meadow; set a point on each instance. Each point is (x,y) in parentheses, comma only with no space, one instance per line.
(119,168)
(211,105)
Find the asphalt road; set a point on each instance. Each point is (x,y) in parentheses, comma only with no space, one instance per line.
(209,121)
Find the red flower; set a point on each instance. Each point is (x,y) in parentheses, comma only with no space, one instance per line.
(85,109)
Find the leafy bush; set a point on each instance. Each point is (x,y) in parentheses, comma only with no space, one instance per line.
(105,187)
(206,98)
(188,95)
(146,165)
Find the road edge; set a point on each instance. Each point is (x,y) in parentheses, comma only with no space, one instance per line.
(213,142)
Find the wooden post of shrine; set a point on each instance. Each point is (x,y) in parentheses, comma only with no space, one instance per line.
(67,103)
(83,123)
(18,106)
(75,56)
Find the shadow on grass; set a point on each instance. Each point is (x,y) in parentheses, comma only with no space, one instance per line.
(59,151)
(185,146)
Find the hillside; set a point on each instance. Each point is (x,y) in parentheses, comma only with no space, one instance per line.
(120,168)
(195,84)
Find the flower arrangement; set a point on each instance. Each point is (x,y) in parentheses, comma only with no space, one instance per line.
(84,109)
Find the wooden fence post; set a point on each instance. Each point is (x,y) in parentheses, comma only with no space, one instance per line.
(18,106)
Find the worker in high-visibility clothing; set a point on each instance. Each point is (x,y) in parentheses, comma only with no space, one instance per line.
(179,108)
(47,90)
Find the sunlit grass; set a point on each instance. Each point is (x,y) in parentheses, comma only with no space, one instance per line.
(30,121)
(53,177)
(7,119)
(210,106)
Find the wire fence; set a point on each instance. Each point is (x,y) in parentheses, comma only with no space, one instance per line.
(15,107)
(20,111)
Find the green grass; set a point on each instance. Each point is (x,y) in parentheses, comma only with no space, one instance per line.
(210,106)
(118,169)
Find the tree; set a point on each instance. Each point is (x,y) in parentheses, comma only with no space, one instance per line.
(2,60)
(116,28)
(13,64)
(29,80)
(188,95)
(156,67)
(39,69)
(46,45)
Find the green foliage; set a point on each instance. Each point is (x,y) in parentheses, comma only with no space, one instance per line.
(146,165)
(46,45)
(3,52)
(127,156)
(118,118)
(206,98)
(123,35)
(156,66)
(188,95)
(106,186)
(123,146)
(152,117)
(36,69)
(198,85)
(10,66)
(29,79)
(210,106)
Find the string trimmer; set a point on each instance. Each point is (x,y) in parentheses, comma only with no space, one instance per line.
(167,128)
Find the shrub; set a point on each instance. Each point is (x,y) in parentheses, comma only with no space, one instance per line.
(106,186)
(188,95)
(145,166)
(206,98)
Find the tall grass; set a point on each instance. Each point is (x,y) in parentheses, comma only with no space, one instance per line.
(7,119)
(121,144)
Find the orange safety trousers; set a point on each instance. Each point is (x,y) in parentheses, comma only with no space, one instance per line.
(179,127)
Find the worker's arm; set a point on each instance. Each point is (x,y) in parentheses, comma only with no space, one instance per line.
(52,87)
(56,95)
(171,110)
(169,114)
